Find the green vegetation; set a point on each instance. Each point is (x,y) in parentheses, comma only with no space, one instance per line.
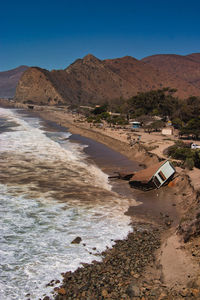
(161,103)
(192,127)
(100,114)
(100,109)
(158,102)
(154,126)
(189,157)
(184,114)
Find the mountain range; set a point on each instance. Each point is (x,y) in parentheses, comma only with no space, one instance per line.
(92,81)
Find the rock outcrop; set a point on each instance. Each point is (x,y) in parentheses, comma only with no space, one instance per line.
(35,86)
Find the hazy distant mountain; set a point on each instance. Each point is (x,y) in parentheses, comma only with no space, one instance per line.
(91,80)
(9,80)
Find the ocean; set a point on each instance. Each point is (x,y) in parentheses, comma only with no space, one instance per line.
(51,192)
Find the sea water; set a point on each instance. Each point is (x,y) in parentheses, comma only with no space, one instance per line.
(50,193)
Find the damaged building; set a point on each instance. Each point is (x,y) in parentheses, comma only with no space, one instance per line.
(154,176)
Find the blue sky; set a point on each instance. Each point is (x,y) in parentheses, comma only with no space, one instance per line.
(52,34)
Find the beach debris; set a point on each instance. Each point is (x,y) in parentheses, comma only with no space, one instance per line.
(77,240)
(119,175)
(154,176)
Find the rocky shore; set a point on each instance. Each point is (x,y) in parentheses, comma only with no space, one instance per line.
(129,270)
(118,276)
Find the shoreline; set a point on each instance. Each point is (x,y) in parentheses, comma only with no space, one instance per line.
(135,153)
(153,280)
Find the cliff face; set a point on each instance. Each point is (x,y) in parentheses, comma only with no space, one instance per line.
(9,80)
(35,86)
(91,80)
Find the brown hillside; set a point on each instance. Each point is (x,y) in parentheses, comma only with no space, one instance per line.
(144,77)
(138,74)
(87,80)
(35,86)
(181,68)
(97,81)
(91,80)
(194,56)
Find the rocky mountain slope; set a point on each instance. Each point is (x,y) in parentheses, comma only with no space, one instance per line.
(91,80)
(9,80)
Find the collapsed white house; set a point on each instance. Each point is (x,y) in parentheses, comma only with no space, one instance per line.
(154,176)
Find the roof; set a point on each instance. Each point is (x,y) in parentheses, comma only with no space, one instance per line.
(146,174)
(167,130)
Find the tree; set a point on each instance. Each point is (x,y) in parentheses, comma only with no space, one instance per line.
(100,109)
(192,127)
(177,123)
(161,102)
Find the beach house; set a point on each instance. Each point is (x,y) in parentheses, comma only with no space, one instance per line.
(135,124)
(154,176)
(167,131)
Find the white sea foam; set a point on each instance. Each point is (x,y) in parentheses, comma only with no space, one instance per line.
(35,245)
(34,143)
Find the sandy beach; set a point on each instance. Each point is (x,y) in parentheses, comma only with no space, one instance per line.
(167,267)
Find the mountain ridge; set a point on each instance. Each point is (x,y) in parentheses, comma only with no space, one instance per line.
(186,68)
(89,80)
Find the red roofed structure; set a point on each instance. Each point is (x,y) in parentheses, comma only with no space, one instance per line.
(154,176)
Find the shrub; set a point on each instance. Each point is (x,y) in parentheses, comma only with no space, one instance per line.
(90,119)
(100,109)
(190,157)
(189,163)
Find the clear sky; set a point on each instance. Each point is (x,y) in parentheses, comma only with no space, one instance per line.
(52,34)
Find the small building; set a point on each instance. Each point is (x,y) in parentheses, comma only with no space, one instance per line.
(154,176)
(167,131)
(135,124)
(169,123)
(114,114)
(194,146)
